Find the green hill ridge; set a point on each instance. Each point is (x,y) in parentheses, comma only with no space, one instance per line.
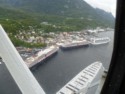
(51,16)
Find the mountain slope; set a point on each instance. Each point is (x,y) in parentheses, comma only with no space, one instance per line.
(15,20)
(49,16)
(56,7)
(72,13)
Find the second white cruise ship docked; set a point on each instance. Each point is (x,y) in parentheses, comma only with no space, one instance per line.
(97,41)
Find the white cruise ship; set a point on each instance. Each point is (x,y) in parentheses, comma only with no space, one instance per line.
(80,83)
(74,44)
(41,55)
(97,41)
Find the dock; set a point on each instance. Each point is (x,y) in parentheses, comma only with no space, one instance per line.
(41,55)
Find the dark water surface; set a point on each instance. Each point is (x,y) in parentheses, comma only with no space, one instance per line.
(57,71)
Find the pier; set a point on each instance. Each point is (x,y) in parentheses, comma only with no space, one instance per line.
(41,56)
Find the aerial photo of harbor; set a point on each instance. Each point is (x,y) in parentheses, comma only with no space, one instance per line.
(55,46)
(69,57)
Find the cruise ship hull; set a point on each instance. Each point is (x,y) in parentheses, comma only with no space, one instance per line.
(100,43)
(74,45)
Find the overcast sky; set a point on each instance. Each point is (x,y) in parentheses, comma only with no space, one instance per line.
(107,5)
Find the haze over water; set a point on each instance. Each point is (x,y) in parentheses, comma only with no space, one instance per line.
(61,68)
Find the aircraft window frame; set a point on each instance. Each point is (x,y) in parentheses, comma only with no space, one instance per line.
(115,81)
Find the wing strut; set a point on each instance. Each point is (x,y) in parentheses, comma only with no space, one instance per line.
(17,67)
